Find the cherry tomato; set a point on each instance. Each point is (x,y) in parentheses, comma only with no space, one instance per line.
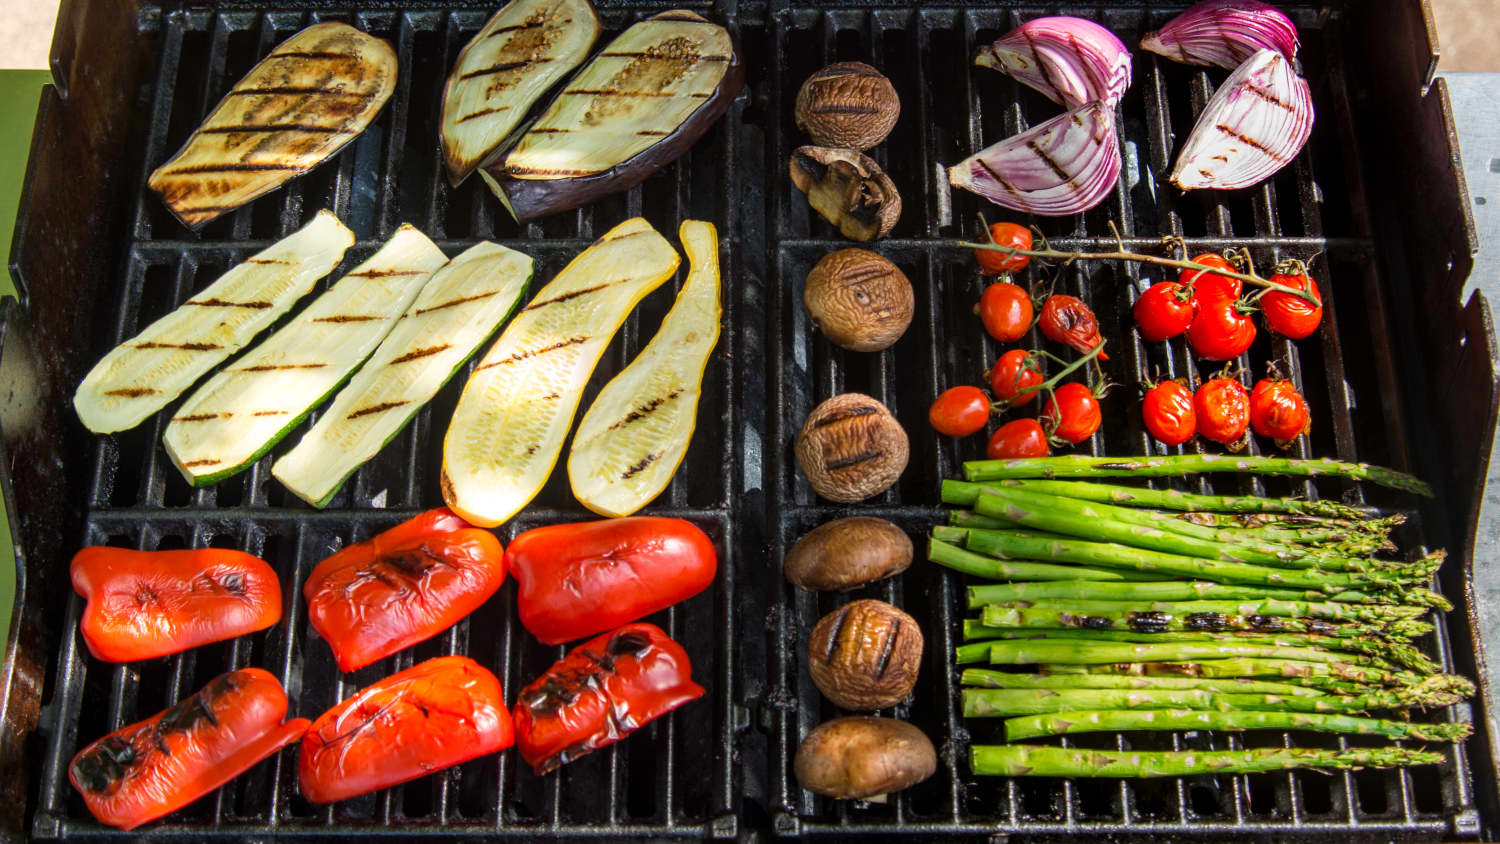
(1278,411)
(1223,410)
(1168,411)
(1208,285)
(1220,331)
(1080,416)
(1067,320)
(1288,315)
(1005,310)
(1164,311)
(1004,234)
(1020,438)
(1013,377)
(960,411)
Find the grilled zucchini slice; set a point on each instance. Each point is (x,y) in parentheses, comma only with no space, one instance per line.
(635,434)
(508,428)
(459,308)
(238,414)
(521,52)
(315,92)
(143,374)
(637,106)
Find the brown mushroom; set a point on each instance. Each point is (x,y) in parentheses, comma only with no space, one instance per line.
(851,448)
(848,189)
(861,757)
(848,104)
(859,300)
(865,655)
(847,553)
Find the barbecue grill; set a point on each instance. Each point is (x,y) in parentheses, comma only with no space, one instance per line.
(1401,373)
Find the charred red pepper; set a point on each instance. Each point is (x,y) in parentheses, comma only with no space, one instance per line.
(145,604)
(156,766)
(601,692)
(579,579)
(407,584)
(431,716)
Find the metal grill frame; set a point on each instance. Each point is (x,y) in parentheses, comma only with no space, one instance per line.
(769,370)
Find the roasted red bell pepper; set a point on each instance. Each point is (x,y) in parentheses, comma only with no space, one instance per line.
(144,604)
(579,579)
(143,771)
(431,716)
(407,584)
(601,692)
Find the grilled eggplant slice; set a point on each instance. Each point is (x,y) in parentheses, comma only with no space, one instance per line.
(143,374)
(314,93)
(521,52)
(508,428)
(238,414)
(635,434)
(637,106)
(458,309)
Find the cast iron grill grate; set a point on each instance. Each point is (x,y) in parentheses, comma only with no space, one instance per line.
(705,770)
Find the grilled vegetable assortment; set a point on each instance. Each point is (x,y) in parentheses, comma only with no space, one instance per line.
(315,92)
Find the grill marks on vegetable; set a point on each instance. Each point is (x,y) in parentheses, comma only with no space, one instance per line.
(523,355)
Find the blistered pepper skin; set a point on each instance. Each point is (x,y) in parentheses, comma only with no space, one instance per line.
(601,692)
(405,585)
(146,604)
(431,716)
(156,766)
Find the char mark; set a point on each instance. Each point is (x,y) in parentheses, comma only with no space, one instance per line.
(377,408)
(853,460)
(417,354)
(453,303)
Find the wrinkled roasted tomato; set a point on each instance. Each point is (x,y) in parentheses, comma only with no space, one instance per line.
(601,692)
(578,579)
(145,604)
(156,766)
(431,716)
(1067,320)
(407,584)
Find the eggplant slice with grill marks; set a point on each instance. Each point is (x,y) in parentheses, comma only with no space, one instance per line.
(315,92)
(521,52)
(635,108)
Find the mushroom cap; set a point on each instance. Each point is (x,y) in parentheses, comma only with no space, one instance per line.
(848,104)
(865,655)
(848,189)
(859,300)
(861,756)
(847,553)
(851,448)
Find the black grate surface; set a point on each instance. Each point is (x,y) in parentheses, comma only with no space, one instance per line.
(713,769)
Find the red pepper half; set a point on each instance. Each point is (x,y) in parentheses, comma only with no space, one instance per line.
(431,716)
(143,771)
(145,604)
(403,586)
(601,692)
(579,579)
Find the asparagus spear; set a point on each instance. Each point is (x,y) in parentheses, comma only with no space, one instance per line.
(971,653)
(969,518)
(1170,590)
(1338,678)
(1277,521)
(1205,615)
(964,493)
(1020,760)
(1363,638)
(1097,721)
(976,564)
(1075,652)
(992,679)
(1010,703)
(1084,466)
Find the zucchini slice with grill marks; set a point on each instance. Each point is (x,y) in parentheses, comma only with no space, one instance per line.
(244,409)
(459,308)
(638,105)
(635,434)
(143,374)
(508,428)
(521,52)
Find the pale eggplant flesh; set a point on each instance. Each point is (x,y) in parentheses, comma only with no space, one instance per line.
(313,94)
(527,47)
(634,108)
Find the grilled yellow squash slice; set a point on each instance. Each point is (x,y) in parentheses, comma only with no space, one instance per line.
(141,375)
(521,52)
(635,434)
(314,93)
(508,428)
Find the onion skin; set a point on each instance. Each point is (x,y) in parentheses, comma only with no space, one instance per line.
(1254,125)
(1071,61)
(1224,33)
(1064,166)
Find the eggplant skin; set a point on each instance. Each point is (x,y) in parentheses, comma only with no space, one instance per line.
(529,199)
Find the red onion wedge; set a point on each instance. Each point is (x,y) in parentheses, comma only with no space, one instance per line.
(1254,125)
(1224,33)
(1064,166)
(1071,60)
